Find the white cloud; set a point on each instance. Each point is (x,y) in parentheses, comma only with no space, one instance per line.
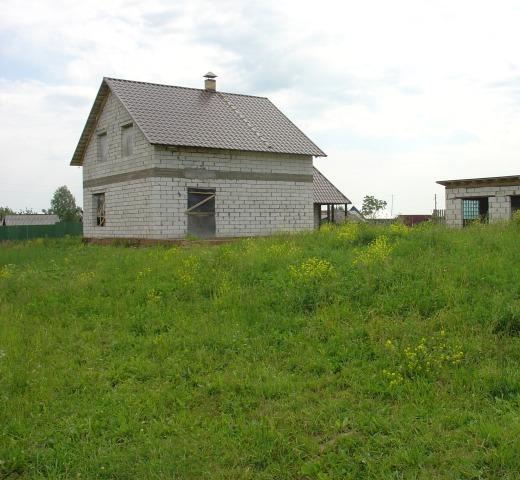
(399,94)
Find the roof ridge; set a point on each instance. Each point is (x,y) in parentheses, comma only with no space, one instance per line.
(179,86)
(242,117)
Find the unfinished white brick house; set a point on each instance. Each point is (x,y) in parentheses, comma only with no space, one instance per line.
(167,162)
(491,199)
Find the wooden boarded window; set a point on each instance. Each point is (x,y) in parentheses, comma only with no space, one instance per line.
(127,138)
(99,208)
(201,212)
(102,147)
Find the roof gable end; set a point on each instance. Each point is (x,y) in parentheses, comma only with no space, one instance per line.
(90,126)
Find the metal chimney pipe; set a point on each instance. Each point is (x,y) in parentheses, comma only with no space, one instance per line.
(210,84)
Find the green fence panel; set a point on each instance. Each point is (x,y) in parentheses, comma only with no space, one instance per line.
(27,232)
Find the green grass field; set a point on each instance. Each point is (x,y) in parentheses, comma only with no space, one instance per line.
(357,352)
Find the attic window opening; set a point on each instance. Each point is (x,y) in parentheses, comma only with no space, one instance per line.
(127,139)
(102,141)
(99,208)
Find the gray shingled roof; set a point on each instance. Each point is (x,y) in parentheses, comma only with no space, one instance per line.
(324,192)
(179,116)
(31,219)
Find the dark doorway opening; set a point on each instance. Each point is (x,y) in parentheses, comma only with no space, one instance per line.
(475,209)
(515,204)
(201,212)
(332,212)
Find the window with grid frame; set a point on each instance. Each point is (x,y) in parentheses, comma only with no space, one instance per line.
(127,139)
(470,208)
(99,208)
(474,209)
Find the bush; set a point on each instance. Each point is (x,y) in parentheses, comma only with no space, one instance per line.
(311,282)
(349,232)
(399,229)
(423,359)
(378,251)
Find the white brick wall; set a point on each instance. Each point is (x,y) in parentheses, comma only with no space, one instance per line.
(128,206)
(232,160)
(499,202)
(156,207)
(243,208)
(111,120)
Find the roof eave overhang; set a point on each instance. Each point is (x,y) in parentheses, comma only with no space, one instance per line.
(90,125)
(205,147)
(346,201)
(513,180)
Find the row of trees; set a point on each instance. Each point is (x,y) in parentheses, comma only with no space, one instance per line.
(63,204)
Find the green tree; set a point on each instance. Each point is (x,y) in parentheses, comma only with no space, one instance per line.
(372,206)
(64,205)
(5,211)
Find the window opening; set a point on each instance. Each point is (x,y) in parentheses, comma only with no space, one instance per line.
(201,212)
(99,205)
(475,209)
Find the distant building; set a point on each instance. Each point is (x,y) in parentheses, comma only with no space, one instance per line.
(490,199)
(29,219)
(411,220)
(355,215)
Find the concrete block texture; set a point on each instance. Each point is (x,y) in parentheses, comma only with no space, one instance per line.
(499,198)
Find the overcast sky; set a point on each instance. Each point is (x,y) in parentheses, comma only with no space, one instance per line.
(398,93)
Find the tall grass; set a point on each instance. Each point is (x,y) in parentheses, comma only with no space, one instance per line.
(353,352)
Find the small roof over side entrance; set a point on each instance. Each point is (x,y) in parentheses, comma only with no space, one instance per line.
(324,192)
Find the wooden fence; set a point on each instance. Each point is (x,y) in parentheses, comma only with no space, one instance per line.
(439,216)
